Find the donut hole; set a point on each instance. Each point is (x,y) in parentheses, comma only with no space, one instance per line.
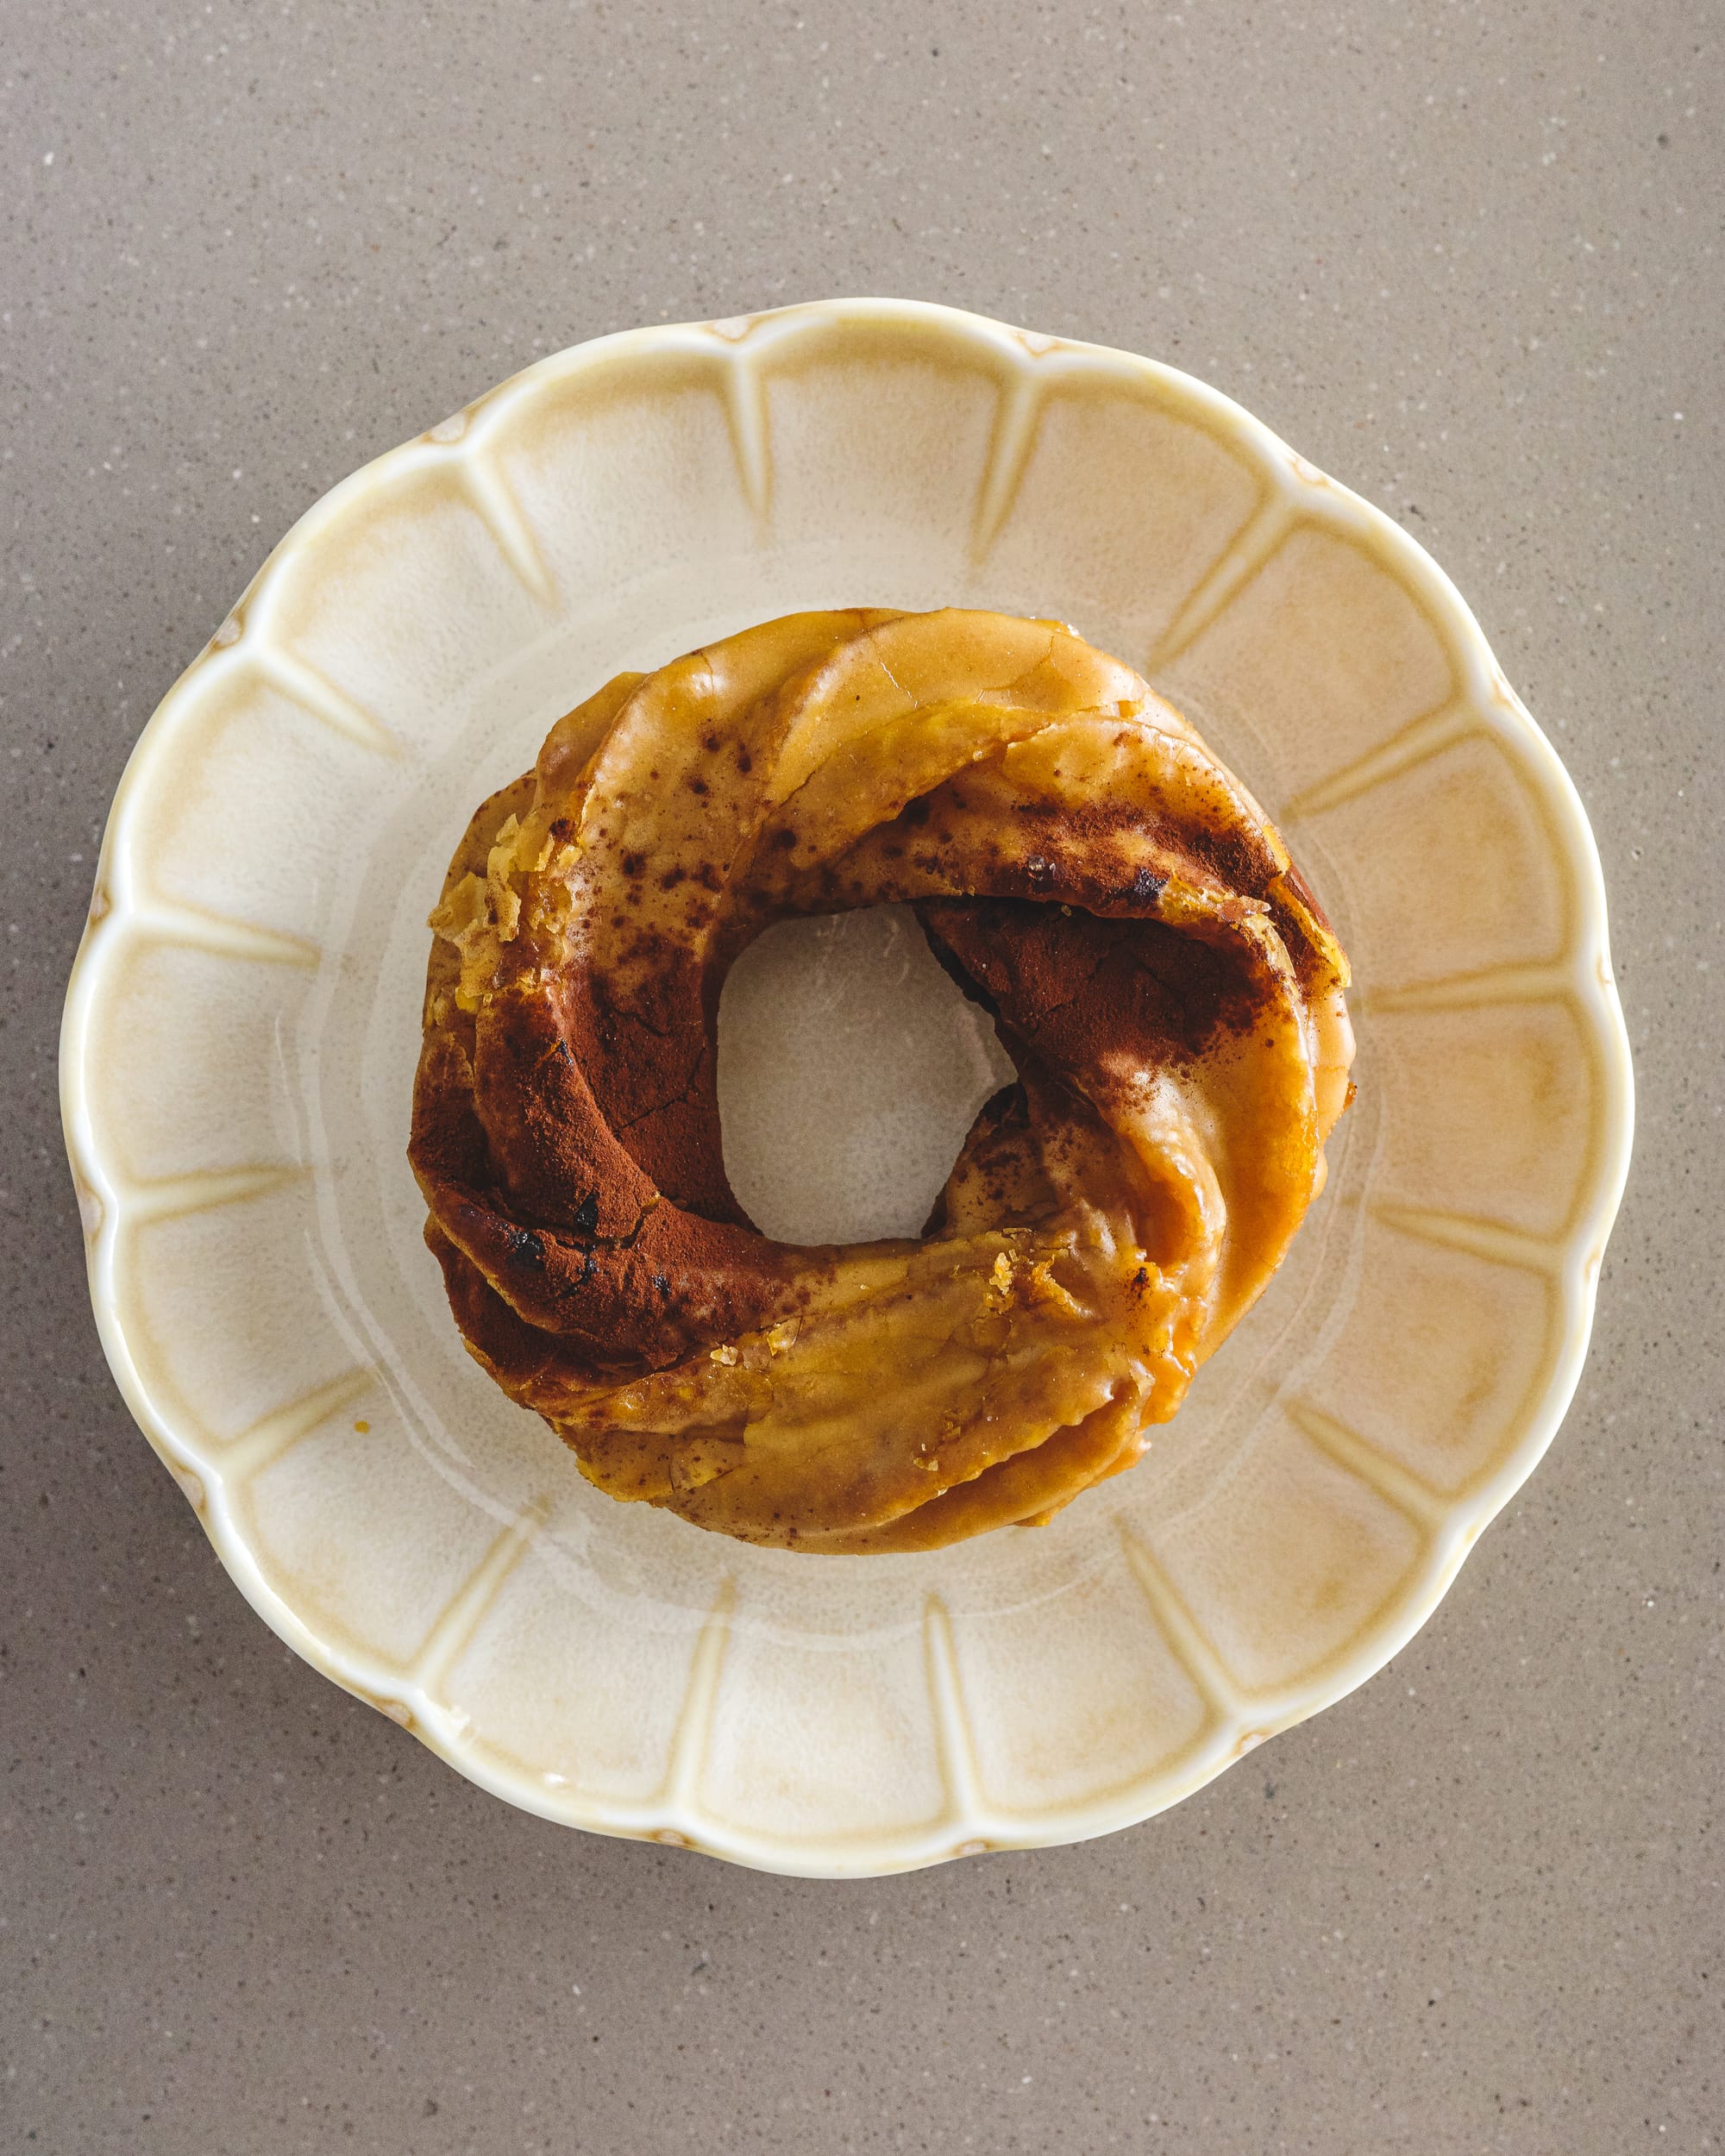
(850,1069)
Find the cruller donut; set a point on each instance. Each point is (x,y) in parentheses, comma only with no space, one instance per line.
(1161,975)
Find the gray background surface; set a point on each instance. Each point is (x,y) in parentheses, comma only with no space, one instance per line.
(1466,258)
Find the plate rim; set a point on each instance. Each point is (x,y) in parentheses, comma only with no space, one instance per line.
(674,1817)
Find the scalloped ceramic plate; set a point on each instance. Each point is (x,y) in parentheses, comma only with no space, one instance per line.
(243,1023)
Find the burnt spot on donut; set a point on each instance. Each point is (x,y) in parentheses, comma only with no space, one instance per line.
(632,864)
(671,877)
(697,786)
(1144,889)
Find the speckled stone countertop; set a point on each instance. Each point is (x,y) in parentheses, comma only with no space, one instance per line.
(1465,257)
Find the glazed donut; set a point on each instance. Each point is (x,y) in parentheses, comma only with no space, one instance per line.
(1166,985)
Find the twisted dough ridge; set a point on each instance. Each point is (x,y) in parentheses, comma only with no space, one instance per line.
(1161,975)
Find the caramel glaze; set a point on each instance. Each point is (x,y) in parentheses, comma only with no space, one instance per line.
(1163,980)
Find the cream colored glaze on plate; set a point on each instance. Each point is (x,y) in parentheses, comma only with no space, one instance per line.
(243,1016)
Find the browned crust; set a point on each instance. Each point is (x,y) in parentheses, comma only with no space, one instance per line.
(566,1129)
